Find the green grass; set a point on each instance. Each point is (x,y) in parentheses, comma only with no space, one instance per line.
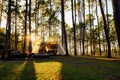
(61,68)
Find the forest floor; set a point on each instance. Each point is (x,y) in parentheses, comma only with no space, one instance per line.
(61,68)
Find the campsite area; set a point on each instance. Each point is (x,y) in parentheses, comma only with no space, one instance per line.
(59,39)
(61,68)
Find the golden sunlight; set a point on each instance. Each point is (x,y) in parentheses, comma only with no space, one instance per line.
(48,70)
(32,37)
(53,39)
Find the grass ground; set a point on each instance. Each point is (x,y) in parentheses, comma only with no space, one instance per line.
(61,68)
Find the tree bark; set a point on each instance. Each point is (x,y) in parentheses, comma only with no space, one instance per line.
(116,12)
(63,28)
(98,28)
(83,30)
(25,28)
(90,27)
(16,36)
(74,25)
(1,13)
(8,29)
(50,19)
(30,41)
(107,15)
(106,31)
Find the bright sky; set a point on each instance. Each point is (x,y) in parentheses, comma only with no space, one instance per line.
(68,15)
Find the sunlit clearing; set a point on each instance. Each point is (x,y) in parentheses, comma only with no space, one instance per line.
(48,70)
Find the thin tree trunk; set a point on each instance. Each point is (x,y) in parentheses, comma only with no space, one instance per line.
(8,28)
(106,31)
(87,48)
(83,36)
(37,17)
(62,33)
(30,42)
(1,13)
(80,21)
(63,27)
(25,28)
(9,25)
(90,27)
(16,37)
(35,25)
(98,28)
(42,28)
(74,26)
(36,34)
(106,1)
(83,39)
(92,24)
(50,19)
(107,18)
(75,29)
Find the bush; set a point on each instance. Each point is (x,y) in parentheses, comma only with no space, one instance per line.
(19,55)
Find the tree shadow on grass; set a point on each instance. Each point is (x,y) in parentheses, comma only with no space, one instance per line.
(82,68)
(17,70)
(10,70)
(68,71)
(60,68)
(28,72)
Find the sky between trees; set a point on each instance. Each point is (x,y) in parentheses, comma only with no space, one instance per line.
(68,17)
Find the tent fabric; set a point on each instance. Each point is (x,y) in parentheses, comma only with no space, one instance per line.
(60,50)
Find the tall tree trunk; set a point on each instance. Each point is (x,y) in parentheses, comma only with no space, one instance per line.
(16,36)
(30,42)
(37,17)
(80,21)
(98,28)
(92,23)
(36,34)
(75,42)
(63,28)
(74,24)
(83,30)
(50,19)
(90,27)
(41,17)
(116,11)
(8,33)
(106,30)
(83,39)
(107,15)
(35,25)
(1,13)
(25,28)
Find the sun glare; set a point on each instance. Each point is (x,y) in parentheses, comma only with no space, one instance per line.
(32,37)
